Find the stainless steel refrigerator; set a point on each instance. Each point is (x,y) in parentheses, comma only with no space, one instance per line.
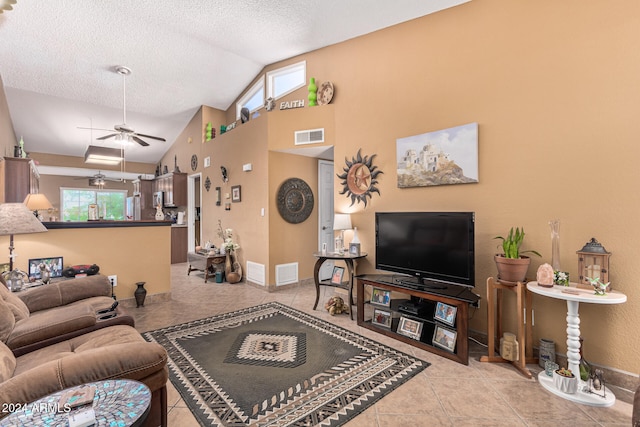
(133,208)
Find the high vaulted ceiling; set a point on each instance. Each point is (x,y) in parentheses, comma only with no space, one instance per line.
(57,59)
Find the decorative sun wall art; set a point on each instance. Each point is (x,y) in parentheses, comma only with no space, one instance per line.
(448,156)
(359,178)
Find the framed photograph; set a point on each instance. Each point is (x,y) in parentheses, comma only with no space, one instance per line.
(446,313)
(381,297)
(409,328)
(236,195)
(354,249)
(444,338)
(381,318)
(336,277)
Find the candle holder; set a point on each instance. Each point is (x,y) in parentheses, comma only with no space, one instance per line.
(593,263)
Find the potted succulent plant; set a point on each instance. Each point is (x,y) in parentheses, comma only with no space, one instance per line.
(512,264)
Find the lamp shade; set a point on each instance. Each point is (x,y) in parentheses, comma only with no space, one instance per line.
(342,222)
(37,202)
(16,218)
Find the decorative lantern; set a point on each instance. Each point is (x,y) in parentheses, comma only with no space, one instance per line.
(593,263)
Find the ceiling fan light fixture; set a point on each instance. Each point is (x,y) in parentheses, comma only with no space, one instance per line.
(103,155)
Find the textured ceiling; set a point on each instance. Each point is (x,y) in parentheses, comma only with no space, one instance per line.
(57,59)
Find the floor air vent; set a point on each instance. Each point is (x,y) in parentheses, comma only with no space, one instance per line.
(311,136)
(286,274)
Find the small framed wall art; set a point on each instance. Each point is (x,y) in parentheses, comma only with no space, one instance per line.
(236,195)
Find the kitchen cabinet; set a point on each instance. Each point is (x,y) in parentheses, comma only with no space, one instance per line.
(18,177)
(174,187)
(179,239)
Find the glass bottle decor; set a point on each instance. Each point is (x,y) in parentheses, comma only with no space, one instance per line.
(313,92)
(585,367)
(555,244)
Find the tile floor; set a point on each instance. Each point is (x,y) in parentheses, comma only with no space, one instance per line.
(445,394)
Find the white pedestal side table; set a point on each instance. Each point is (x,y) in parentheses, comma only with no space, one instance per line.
(574,296)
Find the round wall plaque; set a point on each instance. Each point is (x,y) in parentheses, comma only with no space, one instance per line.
(294,200)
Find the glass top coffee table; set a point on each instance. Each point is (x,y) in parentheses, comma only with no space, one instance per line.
(122,403)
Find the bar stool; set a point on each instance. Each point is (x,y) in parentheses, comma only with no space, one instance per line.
(524,334)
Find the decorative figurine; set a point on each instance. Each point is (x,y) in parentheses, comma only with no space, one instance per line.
(599,287)
(159,213)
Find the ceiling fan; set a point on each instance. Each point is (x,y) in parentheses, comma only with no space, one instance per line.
(124,133)
(99,179)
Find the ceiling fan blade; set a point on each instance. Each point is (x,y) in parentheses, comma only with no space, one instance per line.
(107,136)
(139,141)
(106,130)
(150,136)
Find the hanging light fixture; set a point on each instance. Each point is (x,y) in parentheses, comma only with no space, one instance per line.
(103,155)
(6,5)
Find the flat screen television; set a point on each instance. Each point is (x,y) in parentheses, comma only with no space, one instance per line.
(435,248)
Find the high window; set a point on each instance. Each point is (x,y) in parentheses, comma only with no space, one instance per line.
(253,99)
(285,80)
(74,203)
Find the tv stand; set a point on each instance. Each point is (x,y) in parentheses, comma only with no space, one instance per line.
(427,293)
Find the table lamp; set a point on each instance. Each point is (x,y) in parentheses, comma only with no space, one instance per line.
(341,222)
(16,218)
(37,202)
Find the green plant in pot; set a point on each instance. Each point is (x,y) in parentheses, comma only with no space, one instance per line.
(512,264)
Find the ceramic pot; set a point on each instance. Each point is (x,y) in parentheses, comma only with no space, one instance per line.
(512,269)
(567,385)
(140,293)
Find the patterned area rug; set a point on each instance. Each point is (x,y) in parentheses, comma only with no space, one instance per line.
(272,365)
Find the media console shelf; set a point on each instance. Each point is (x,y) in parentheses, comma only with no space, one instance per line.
(459,299)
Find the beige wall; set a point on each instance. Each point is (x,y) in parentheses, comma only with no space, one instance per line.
(289,243)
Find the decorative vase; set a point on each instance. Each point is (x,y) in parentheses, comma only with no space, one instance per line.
(159,214)
(232,269)
(313,92)
(555,244)
(140,293)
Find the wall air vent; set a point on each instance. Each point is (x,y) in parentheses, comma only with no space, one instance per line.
(256,273)
(311,136)
(286,274)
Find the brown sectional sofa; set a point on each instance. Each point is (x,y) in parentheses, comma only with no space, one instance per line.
(56,312)
(51,338)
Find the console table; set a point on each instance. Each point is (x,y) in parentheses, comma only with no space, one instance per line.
(574,296)
(205,262)
(350,261)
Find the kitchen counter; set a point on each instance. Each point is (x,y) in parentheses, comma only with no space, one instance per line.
(104,224)
(179,225)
